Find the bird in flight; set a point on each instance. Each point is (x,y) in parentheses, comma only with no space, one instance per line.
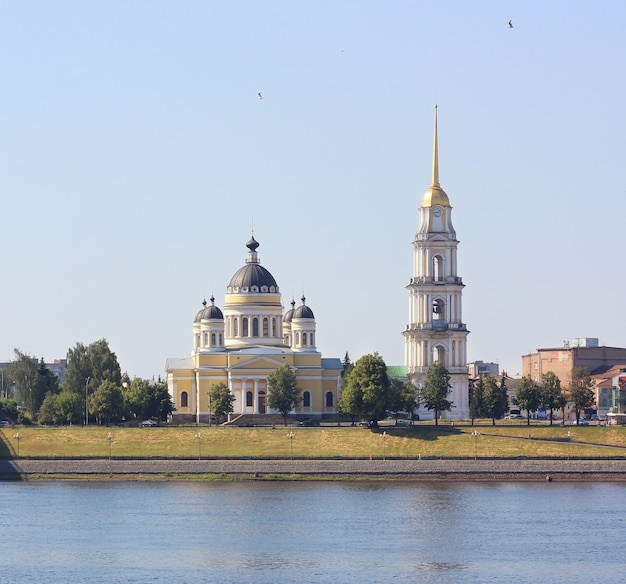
(510,24)
(260,95)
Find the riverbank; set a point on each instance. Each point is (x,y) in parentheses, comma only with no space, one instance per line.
(420,470)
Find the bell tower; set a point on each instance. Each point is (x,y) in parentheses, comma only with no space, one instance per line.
(436,331)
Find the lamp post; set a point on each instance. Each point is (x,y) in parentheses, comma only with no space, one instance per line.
(476,434)
(199,439)
(291,436)
(384,438)
(17,437)
(86,402)
(110,439)
(569,445)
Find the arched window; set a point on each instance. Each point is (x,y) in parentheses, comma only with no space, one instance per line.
(439,354)
(197,340)
(304,339)
(249,399)
(221,340)
(274,329)
(235,328)
(266,327)
(329,399)
(206,339)
(244,327)
(255,327)
(212,339)
(184,400)
(312,340)
(306,399)
(297,339)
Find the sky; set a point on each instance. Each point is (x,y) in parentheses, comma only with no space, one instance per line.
(136,158)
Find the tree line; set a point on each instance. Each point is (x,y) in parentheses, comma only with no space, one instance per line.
(94,390)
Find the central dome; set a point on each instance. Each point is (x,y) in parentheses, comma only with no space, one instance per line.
(252,277)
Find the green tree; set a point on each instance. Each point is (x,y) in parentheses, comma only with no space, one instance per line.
(88,366)
(136,397)
(45,382)
(70,407)
(49,411)
(496,398)
(436,389)
(581,391)
(23,370)
(351,399)
(9,407)
(221,400)
(552,397)
(528,396)
(477,400)
(107,402)
(367,386)
(160,404)
(283,390)
(403,398)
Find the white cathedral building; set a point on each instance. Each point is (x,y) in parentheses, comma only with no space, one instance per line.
(436,331)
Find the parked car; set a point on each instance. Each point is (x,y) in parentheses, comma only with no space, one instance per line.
(148,424)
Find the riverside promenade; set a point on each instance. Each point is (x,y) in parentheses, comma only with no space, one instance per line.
(335,469)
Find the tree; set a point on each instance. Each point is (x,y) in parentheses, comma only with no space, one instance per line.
(46,382)
(221,400)
(49,411)
(23,370)
(403,397)
(283,390)
(70,407)
(107,402)
(581,391)
(351,399)
(436,388)
(88,366)
(496,399)
(551,393)
(367,387)
(528,396)
(477,400)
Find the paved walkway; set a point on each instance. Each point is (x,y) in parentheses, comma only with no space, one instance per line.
(490,470)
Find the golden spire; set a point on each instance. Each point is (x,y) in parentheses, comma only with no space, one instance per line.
(435,195)
(435,181)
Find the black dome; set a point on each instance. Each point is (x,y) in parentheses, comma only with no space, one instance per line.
(303,311)
(289,314)
(209,312)
(253,275)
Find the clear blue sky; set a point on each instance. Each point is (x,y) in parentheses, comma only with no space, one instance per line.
(135,156)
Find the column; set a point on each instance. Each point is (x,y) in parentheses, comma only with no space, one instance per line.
(196,382)
(243,395)
(256,395)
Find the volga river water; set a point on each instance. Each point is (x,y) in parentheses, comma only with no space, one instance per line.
(300,532)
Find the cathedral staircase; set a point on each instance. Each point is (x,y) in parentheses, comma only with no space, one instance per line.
(261,420)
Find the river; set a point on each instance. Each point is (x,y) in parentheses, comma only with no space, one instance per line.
(301,532)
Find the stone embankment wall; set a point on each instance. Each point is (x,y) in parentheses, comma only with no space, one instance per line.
(488,470)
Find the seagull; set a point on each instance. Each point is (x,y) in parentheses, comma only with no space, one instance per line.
(510,24)
(260,95)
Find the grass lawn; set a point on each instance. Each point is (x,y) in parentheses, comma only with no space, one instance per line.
(500,441)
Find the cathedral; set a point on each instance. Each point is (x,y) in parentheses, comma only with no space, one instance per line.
(436,331)
(245,342)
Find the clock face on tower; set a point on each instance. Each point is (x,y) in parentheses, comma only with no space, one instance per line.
(437,212)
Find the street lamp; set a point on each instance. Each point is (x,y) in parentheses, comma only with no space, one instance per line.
(199,439)
(569,445)
(384,437)
(476,434)
(110,439)
(291,436)
(17,437)
(86,402)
